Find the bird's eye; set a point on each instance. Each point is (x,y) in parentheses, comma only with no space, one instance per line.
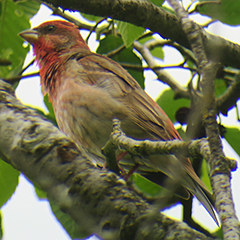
(50,28)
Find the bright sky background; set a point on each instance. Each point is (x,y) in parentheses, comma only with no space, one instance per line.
(27,218)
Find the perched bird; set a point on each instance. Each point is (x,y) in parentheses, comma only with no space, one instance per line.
(88,90)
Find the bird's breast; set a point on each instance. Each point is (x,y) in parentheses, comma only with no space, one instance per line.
(85,113)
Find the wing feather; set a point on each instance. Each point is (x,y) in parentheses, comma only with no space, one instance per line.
(142,109)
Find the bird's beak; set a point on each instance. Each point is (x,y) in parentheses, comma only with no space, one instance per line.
(30,35)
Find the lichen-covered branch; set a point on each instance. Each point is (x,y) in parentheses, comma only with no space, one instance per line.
(96,199)
(220,172)
(149,147)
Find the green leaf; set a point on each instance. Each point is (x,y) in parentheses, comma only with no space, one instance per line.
(145,39)
(147,187)
(129,32)
(169,105)
(205,175)
(226,11)
(232,136)
(110,43)
(190,64)
(40,193)
(158,52)
(219,233)
(48,105)
(50,115)
(91,18)
(157,2)
(28,8)
(8,181)
(14,18)
(73,229)
(220,87)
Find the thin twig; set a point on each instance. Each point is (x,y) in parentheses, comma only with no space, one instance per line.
(186,53)
(205,25)
(230,97)
(25,68)
(5,62)
(162,74)
(141,68)
(17,78)
(60,13)
(116,51)
(94,28)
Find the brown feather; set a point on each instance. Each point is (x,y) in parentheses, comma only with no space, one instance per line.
(88,90)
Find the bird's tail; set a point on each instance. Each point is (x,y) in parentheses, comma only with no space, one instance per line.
(205,198)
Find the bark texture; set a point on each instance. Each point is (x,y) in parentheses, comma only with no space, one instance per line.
(97,200)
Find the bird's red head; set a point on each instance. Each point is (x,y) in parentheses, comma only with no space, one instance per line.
(54,38)
(53,42)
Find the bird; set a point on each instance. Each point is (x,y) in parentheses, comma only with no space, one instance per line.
(87,90)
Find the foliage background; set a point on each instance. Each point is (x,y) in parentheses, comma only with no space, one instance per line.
(32,220)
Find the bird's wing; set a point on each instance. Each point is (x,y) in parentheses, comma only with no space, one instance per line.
(104,73)
(145,112)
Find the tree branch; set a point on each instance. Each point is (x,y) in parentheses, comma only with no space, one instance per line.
(162,74)
(228,53)
(149,147)
(220,174)
(59,12)
(98,200)
(230,97)
(144,13)
(14,79)
(185,52)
